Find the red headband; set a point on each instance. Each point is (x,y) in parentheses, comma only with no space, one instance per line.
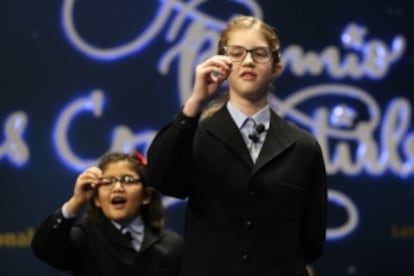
(140,157)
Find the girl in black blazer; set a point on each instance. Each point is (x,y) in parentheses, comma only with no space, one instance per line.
(122,231)
(256,197)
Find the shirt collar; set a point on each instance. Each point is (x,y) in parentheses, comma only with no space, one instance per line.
(136,226)
(261,117)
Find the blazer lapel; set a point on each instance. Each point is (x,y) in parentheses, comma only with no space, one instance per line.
(278,139)
(221,126)
(123,247)
(149,239)
(115,236)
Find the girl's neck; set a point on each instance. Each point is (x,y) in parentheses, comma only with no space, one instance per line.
(249,106)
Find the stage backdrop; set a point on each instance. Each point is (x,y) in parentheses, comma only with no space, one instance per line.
(81,78)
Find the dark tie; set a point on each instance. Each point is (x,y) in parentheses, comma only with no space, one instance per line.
(133,240)
(252,138)
(128,235)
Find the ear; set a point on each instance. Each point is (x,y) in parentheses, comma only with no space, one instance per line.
(277,70)
(147,196)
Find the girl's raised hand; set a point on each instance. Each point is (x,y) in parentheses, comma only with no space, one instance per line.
(208,77)
(84,188)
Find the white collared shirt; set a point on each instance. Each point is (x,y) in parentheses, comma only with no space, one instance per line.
(261,117)
(135,228)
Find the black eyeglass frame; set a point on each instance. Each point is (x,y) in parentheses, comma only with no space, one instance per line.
(252,51)
(127,180)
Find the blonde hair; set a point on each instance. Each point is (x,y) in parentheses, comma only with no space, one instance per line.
(243,22)
(248,22)
(215,105)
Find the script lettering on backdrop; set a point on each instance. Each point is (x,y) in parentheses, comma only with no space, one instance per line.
(14,147)
(349,145)
(123,138)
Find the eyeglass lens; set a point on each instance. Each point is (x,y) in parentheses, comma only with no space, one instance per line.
(125,179)
(238,53)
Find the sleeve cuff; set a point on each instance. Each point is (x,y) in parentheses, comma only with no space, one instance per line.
(65,213)
(184,122)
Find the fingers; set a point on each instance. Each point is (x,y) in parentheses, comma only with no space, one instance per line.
(90,178)
(93,174)
(209,75)
(216,68)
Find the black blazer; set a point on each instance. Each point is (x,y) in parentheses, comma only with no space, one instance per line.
(102,250)
(242,218)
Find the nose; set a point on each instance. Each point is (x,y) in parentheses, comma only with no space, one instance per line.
(118,185)
(248,59)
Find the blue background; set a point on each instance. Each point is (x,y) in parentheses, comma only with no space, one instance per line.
(43,72)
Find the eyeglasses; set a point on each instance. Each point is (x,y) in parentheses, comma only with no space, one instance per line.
(238,53)
(125,180)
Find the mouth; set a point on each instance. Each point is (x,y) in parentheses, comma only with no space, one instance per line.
(118,202)
(248,76)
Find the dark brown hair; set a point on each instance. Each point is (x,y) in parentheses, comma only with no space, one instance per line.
(152,213)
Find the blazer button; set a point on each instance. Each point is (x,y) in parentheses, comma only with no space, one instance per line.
(249,223)
(252,194)
(245,257)
(57,223)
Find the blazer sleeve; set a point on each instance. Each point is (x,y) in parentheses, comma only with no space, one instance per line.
(314,228)
(170,156)
(55,239)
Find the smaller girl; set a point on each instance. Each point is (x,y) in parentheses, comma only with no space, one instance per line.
(122,229)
